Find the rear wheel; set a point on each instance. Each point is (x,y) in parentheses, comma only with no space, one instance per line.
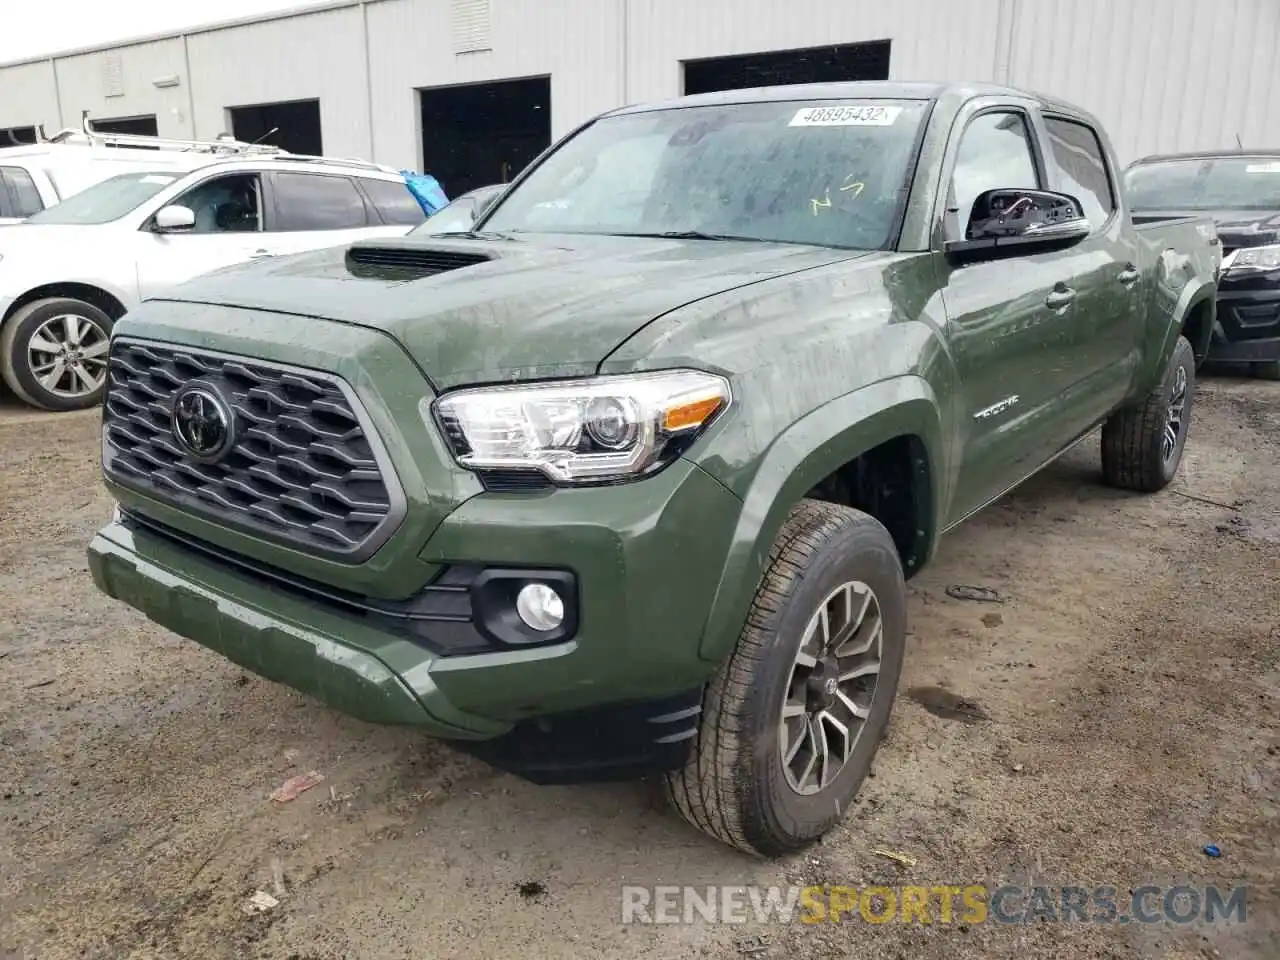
(53,353)
(1142,445)
(793,719)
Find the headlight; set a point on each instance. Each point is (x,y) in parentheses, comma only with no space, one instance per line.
(1253,260)
(583,431)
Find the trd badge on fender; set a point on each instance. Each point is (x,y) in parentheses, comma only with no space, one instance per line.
(203,423)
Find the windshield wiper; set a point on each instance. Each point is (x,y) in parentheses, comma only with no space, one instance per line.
(689,235)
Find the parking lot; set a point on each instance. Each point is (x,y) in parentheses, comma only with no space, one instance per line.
(1115,714)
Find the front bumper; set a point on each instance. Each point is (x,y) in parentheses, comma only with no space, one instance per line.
(646,557)
(1248,325)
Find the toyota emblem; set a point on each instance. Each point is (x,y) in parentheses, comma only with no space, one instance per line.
(203,423)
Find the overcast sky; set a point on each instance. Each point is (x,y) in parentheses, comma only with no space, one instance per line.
(49,26)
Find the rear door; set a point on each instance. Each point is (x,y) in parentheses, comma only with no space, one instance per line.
(311,210)
(1011,321)
(1103,357)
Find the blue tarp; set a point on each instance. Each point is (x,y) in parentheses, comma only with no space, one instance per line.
(426,190)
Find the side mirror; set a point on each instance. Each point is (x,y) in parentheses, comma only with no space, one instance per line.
(1015,223)
(174,218)
(482,207)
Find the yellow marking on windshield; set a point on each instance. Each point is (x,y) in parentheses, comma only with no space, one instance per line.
(857,186)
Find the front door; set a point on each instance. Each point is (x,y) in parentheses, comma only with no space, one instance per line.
(1010,323)
(228,230)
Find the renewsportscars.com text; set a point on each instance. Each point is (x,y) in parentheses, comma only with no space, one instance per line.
(969,904)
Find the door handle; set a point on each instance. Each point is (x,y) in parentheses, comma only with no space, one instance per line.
(261,254)
(1061,297)
(1129,275)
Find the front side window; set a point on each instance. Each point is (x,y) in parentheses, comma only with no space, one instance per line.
(230,204)
(108,200)
(1081,167)
(22,191)
(314,201)
(831,173)
(994,154)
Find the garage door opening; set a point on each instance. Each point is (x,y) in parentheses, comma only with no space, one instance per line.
(293,125)
(17,136)
(138,126)
(484,133)
(850,61)
(141,126)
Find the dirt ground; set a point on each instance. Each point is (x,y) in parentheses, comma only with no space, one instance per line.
(1121,710)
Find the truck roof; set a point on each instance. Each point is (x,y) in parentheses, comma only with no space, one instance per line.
(869,89)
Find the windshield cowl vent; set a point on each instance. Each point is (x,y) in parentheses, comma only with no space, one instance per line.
(409,261)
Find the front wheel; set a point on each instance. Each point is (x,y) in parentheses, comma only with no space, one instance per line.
(1142,445)
(53,353)
(791,722)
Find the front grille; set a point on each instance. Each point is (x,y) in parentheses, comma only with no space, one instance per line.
(305,470)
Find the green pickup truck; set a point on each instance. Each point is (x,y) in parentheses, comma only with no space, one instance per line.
(626,479)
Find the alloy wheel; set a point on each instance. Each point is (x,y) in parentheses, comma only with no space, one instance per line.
(831,687)
(1173,424)
(68,355)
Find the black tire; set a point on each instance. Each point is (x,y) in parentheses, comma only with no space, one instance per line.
(735,784)
(1267,371)
(15,359)
(1134,454)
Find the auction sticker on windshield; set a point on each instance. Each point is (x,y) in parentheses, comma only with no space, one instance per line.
(863,115)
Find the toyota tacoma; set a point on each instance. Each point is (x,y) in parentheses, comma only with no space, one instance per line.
(627,477)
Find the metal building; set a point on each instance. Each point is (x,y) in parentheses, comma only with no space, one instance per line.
(472,89)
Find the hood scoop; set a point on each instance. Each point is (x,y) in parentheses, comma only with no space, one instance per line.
(406,261)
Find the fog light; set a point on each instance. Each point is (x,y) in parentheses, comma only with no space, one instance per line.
(540,607)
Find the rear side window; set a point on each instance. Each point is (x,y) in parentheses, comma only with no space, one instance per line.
(313,201)
(23,195)
(1081,167)
(394,203)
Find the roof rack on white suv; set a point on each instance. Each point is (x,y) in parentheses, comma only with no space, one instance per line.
(224,146)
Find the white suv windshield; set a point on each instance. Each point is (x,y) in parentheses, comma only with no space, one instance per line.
(826,172)
(106,201)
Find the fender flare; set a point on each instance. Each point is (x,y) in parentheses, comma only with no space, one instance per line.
(1191,297)
(808,451)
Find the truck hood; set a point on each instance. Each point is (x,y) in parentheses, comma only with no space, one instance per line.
(472,310)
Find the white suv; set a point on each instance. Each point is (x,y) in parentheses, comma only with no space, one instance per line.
(69,272)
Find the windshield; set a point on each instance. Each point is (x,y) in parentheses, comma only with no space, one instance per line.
(1220,183)
(457,216)
(106,201)
(830,173)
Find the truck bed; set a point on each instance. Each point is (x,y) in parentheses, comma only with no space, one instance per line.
(1144,220)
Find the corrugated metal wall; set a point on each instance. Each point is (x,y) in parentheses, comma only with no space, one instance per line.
(118,83)
(932,39)
(578,43)
(1162,74)
(314,55)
